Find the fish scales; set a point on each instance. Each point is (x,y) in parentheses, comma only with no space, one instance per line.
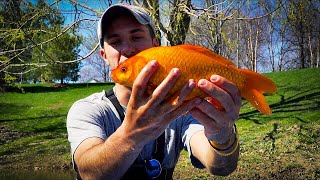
(196,63)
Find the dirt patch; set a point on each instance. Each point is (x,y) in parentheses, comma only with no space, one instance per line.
(8,135)
(57,105)
(57,85)
(291,173)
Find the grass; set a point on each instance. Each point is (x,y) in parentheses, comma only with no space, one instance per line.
(284,145)
(32,124)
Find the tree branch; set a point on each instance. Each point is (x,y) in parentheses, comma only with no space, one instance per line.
(87,7)
(49,40)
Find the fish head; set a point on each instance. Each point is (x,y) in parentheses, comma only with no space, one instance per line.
(121,74)
(127,71)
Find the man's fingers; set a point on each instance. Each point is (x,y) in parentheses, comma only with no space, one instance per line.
(205,111)
(225,92)
(162,90)
(216,92)
(141,82)
(182,109)
(228,86)
(185,91)
(204,119)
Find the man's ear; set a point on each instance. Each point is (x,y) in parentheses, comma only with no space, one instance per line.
(104,56)
(155,42)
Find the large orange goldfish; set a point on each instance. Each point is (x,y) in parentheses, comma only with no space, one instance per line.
(195,62)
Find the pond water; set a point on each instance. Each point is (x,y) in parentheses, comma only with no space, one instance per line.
(36,175)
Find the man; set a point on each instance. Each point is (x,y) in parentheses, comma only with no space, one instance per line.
(103,147)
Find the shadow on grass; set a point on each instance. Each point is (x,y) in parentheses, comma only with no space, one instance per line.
(41,124)
(51,88)
(12,108)
(34,118)
(52,125)
(290,104)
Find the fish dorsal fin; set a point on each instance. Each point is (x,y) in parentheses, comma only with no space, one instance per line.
(207,52)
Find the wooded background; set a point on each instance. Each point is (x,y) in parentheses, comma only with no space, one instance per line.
(56,40)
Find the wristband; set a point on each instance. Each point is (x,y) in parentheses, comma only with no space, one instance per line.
(222,152)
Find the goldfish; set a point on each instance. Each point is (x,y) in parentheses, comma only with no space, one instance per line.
(195,62)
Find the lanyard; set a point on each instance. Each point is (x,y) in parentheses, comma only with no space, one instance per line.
(153,166)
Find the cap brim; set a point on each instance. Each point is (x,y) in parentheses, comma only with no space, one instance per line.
(116,10)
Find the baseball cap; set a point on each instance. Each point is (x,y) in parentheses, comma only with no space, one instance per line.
(112,12)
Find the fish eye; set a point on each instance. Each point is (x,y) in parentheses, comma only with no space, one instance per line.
(123,69)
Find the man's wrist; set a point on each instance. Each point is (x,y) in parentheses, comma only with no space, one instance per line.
(229,147)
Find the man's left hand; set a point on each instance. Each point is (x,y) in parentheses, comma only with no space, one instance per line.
(218,123)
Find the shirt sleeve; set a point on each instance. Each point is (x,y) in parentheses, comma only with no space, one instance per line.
(190,127)
(84,120)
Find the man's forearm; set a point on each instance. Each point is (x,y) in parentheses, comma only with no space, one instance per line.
(108,160)
(223,163)
(218,163)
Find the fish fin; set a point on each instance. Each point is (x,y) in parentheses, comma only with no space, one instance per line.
(254,87)
(207,52)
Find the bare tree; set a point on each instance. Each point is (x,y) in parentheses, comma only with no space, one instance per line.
(285,33)
(303,20)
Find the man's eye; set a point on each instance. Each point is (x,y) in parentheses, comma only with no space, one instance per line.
(114,42)
(137,37)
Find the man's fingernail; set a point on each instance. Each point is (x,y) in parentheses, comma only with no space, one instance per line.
(214,78)
(154,63)
(192,83)
(175,70)
(202,82)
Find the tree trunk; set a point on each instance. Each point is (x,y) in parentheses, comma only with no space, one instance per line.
(310,49)
(153,7)
(256,49)
(179,21)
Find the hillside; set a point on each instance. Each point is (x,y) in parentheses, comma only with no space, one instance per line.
(283,145)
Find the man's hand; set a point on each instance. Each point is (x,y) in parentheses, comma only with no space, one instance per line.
(147,115)
(218,123)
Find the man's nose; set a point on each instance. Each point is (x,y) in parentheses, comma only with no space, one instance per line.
(127,50)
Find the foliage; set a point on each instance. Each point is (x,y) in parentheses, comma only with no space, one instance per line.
(11,37)
(57,52)
(9,79)
(31,42)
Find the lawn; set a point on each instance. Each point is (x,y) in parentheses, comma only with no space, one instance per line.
(284,145)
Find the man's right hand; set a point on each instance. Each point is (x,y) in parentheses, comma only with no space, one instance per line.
(148,115)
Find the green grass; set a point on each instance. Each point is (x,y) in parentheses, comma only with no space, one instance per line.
(32,124)
(282,145)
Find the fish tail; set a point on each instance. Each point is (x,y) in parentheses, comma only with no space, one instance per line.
(253,90)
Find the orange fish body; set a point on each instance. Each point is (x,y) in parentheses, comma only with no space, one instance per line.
(195,62)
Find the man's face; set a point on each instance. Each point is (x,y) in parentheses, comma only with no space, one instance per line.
(124,38)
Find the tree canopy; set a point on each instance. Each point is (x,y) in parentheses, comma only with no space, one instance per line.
(34,44)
